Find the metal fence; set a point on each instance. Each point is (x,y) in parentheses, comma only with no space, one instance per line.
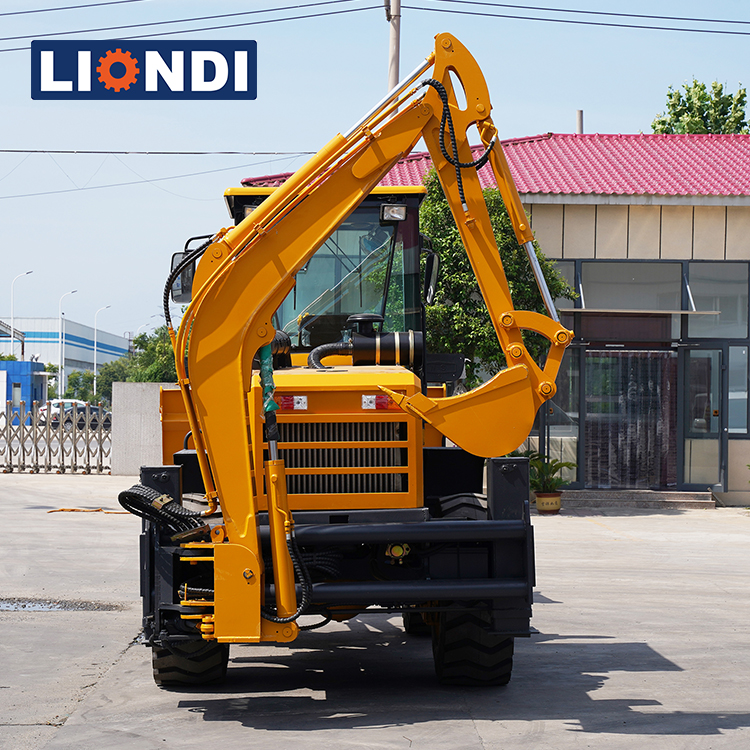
(39,440)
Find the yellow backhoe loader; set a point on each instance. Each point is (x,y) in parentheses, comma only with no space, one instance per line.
(339,473)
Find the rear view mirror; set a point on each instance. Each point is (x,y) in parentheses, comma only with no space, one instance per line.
(182,288)
(432,263)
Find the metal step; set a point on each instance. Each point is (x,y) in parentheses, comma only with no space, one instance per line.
(637,499)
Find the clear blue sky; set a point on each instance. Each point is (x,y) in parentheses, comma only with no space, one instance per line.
(316,77)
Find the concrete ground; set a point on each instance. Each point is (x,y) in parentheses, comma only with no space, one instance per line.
(643,618)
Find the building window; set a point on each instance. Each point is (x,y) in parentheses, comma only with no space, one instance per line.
(641,287)
(631,286)
(719,287)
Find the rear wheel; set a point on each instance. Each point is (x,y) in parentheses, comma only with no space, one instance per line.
(190,663)
(465,653)
(414,624)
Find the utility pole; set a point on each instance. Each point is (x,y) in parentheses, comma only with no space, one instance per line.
(12,316)
(393,16)
(61,339)
(96,314)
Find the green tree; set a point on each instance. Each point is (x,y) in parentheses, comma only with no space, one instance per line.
(696,110)
(115,371)
(459,321)
(153,358)
(81,385)
(8,358)
(52,384)
(152,361)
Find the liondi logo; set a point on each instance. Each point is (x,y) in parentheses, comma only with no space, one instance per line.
(123,69)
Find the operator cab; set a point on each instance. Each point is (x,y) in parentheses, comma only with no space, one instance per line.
(362,285)
(364,278)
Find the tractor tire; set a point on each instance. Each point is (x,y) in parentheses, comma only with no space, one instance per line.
(465,653)
(414,624)
(190,663)
(466,505)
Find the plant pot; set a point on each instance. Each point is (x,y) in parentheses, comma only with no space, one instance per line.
(548,503)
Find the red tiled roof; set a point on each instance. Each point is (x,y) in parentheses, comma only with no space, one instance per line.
(604,165)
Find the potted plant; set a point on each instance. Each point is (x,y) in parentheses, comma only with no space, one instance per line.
(545,481)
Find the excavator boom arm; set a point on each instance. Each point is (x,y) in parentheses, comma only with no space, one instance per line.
(249,269)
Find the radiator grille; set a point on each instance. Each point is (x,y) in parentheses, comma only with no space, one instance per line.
(318,456)
(329,432)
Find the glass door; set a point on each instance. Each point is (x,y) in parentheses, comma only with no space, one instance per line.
(702,443)
(630,404)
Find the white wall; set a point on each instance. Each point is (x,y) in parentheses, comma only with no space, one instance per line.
(136,427)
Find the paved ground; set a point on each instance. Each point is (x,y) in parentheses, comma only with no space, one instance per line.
(643,618)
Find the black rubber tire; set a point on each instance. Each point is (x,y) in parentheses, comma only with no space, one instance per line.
(414,624)
(465,653)
(467,505)
(190,663)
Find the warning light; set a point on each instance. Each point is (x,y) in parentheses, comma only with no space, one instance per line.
(380,401)
(292,403)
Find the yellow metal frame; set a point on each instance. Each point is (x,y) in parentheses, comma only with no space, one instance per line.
(249,269)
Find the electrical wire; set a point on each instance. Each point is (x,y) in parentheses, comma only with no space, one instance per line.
(133,182)
(575,22)
(67,7)
(176,20)
(596,12)
(435,10)
(152,153)
(228,26)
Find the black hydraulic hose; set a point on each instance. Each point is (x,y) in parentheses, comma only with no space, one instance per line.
(325,350)
(448,118)
(160,509)
(187,437)
(184,263)
(303,576)
(194,592)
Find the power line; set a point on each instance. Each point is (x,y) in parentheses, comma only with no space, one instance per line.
(575,22)
(231,25)
(176,20)
(596,12)
(133,182)
(67,7)
(153,153)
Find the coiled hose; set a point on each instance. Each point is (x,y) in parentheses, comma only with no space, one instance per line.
(160,509)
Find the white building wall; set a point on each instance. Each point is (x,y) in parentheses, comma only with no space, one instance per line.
(43,341)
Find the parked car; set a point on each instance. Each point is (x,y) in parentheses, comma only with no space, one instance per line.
(55,405)
(78,412)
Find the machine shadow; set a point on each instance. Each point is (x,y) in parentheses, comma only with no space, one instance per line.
(385,677)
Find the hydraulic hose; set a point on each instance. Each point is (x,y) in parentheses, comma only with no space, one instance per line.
(303,576)
(447,118)
(160,509)
(189,258)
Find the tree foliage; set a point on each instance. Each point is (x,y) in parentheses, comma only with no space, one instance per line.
(459,321)
(152,361)
(153,358)
(52,382)
(696,110)
(8,358)
(115,371)
(81,386)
